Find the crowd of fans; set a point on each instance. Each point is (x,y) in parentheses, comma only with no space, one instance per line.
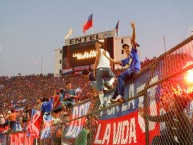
(20,94)
(17,91)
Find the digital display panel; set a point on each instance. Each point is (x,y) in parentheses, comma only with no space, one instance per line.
(82,55)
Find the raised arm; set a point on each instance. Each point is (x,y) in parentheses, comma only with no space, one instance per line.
(133,38)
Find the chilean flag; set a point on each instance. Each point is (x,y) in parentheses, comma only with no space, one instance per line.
(88,24)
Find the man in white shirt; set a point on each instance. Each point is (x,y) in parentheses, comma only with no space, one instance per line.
(102,69)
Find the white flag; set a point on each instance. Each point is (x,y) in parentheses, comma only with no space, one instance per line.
(68,34)
(78,90)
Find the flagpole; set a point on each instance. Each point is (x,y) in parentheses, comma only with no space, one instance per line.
(71,33)
(70,36)
(92,24)
(164,43)
(83,29)
(117,29)
(106,26)
(41,63)
(83,32)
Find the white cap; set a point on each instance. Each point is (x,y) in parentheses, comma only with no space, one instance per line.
(9,111)
(126,44)
(101,40)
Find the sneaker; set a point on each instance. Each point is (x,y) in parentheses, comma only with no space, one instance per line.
(108,85)
(105,88)
(102,106)
(120,99)
(109,102)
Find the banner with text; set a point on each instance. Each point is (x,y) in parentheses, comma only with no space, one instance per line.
(122,124)
(75,127)
(20,139)
(125,130)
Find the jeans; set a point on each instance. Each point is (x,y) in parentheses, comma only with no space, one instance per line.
(93,84)
(122,78)
(101,75)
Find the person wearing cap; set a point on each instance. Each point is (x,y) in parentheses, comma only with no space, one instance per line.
(131,64)
(103,70)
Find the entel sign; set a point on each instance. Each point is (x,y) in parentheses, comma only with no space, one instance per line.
(91,37)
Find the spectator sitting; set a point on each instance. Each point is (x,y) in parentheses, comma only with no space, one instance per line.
(69,95)
(131,63)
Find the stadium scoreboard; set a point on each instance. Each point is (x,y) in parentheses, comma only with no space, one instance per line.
(82,54)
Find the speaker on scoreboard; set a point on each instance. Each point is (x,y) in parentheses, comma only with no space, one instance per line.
(65,57)
(109,44)
(65,51)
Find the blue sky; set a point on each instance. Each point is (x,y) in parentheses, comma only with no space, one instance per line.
(33,29)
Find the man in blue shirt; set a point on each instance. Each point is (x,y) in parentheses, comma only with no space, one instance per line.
(69,95)
(46,105)
(131,64)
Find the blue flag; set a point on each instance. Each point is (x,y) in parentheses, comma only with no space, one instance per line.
(117,28)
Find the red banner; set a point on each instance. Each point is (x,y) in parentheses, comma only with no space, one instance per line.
(34,124)
(20,139)
(125,130)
